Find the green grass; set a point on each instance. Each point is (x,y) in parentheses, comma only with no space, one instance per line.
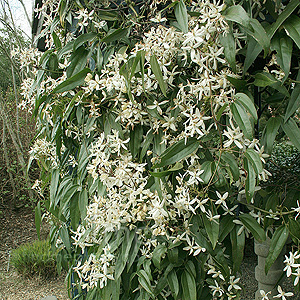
(34,258)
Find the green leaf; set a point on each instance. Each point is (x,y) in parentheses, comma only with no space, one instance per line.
(226,226)
(83,38)
(78,61)
(54,184)
(123,255)
(236,13)
(188,285)
(239,84)
(246,101)
(64,235)
(292,28)
(38,219)
(158,253)
(212,229)
(74,210)
(56,40)
(177,166)
(144,281)
(270,132)
(207,168)
(72,82)
(238,244)
(259,34)
(228,42)
(278,241)
(283,46)
(250,180)
(263,80)
(242,118)
(294,228)
(252,52)
(231,162)
(251,224)
(288,10)
(83,203)
(292,130)
(177,152)
(158,74)
(147,141)
(115,35)
(181,16)
(136,138)
(173,283)
(254,159)
(294,102)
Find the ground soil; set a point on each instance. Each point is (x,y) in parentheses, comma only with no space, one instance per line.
(17,227)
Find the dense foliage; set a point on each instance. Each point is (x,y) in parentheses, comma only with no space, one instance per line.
(150,141)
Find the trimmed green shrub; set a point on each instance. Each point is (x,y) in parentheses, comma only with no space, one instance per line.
(35,258)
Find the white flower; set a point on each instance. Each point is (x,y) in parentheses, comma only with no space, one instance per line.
(297,210)
(222,199)
(283,294)
(264,295)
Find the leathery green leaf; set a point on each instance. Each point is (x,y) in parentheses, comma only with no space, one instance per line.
(238,244)
(178,151)
(250,180)
(177,167)
(251,224)
(181,16)
(144,281)
(277,243)
(38,219)
(246,101)
(292,130)
(212,229)
(270,132)
(158,74)
(228,43)
(236,13)
(242,118)
(158,254)
(254,159)
(173,283)
(188,285)
(115,35)
(292,28)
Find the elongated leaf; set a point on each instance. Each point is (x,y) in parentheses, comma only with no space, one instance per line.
(277,243)
(254,159)
(158,254)
(212,230)
(38,219)
(78,61)
(148,140)
(294,102)
(83,38)
(283,46)
(158,74)
(207,168)
(259,34)
(239,84)
(238,244)
(188,285)
(246,101)
(123,255)
(83,203)
(236,13)
(231,162)
(226,226)
(250,180)
(54,184)
(181,16)
(252,52)
(292,130)
(288,10)
(270,132)
(72,82)
(64,235)
(251,224)
(228,43)
(74,210)
(292,28)
(145,282)
(136,137)
(115,35)
(161,174)
(294,228)
(173,283)
(263,80)
(177,152)
(242,119)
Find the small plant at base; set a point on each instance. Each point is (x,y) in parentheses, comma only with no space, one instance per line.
(35,258)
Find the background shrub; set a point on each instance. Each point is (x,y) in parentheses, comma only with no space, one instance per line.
(35,258)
